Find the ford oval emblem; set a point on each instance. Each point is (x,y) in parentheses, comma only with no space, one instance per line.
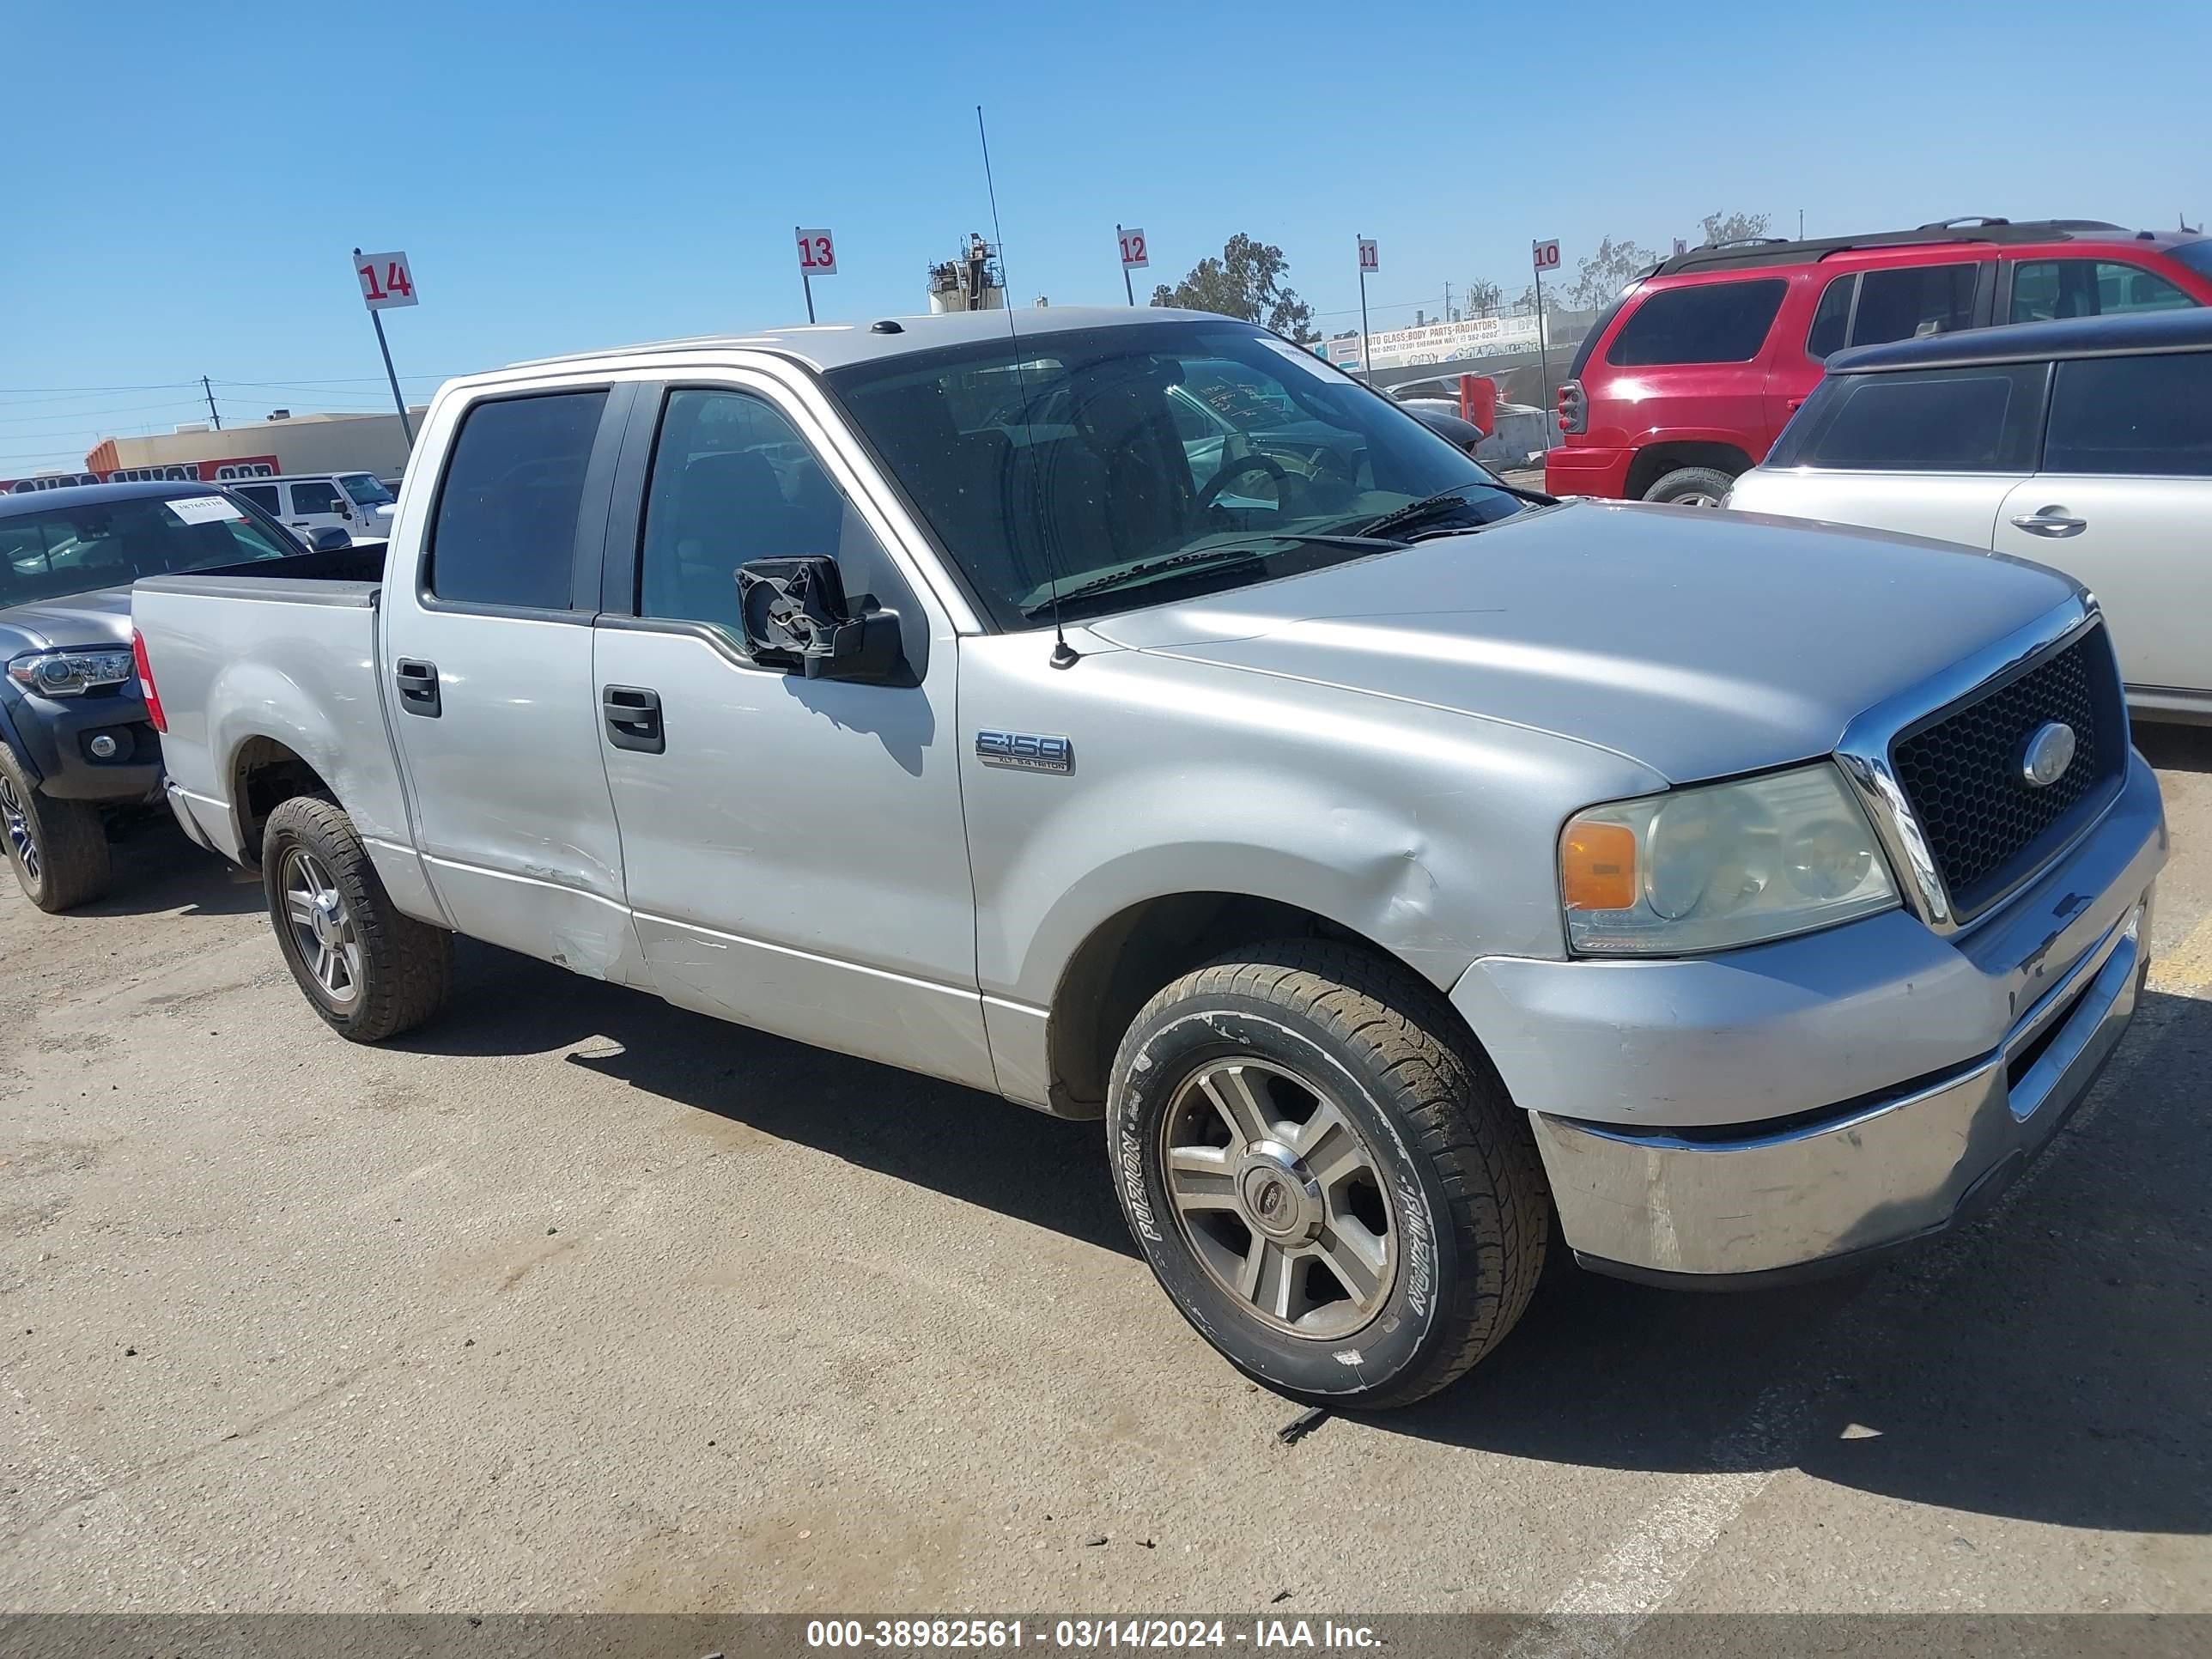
(2050,751)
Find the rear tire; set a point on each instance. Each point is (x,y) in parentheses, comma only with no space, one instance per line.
(1385,1185)
(58,849)
(370,971)
(1691,486)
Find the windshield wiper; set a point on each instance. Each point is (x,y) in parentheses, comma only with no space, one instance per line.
(1428,506)
(1237,550)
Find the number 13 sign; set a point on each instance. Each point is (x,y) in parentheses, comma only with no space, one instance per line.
(386,282)
(817,254)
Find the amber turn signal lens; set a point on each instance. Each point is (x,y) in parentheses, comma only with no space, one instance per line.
(1597,867)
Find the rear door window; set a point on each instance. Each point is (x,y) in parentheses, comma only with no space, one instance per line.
(1832,318)
(1911,301)
(505,533)
(262,496)
(2044,290)
(2147,416)
(1709,323)
(1937,420)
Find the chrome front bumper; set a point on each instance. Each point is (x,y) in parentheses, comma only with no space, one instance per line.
(1729,1206)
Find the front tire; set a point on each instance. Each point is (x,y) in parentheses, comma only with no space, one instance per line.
(1325,1173)
(58,849)
(370,971)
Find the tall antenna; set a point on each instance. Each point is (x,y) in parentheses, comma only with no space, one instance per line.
(1063,654)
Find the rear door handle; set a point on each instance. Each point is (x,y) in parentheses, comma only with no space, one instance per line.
(418,688)
(2051,521)
(633,716)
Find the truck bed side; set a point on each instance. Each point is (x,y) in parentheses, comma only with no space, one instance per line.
(254,671)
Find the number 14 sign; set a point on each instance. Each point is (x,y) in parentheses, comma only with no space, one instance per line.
(386,282)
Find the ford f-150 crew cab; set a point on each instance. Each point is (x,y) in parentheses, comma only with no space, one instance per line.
(1402,867)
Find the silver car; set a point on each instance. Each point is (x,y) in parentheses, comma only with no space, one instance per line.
(2083,445)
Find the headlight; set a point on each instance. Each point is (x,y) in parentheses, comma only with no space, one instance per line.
(1721,864)
(70,674)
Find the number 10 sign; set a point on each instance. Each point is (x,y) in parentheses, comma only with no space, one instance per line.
(386,282)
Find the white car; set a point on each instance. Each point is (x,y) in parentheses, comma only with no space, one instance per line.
(355,502)
(2083,445)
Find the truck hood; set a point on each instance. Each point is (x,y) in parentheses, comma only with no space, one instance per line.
(1700,643)
(101,618)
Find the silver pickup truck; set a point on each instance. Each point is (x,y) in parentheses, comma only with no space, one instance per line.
(1126,713)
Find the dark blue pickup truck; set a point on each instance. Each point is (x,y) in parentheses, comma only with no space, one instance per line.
(77,748)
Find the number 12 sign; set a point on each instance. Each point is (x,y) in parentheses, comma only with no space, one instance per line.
(386,282)
(817,254)
(1134,257)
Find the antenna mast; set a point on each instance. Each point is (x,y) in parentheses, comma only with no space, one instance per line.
(1064,656)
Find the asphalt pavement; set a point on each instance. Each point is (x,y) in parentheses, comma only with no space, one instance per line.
(572,1300)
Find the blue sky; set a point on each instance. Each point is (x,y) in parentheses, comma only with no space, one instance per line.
(187,182)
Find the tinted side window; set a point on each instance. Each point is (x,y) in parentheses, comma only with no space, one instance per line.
(733,481)
(2132,415)
(1712,323)
(314,497)
(1912,301)
(1826,336)
(506,528)
(2042,290)
(262,496)
(1937,420)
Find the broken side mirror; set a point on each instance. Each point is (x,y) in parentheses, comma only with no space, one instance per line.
(796,617)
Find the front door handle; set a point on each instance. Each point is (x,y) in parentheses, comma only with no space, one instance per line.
(418,688)
(2051,521)
(633,717)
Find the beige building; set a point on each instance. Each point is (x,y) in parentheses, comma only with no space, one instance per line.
(284,442)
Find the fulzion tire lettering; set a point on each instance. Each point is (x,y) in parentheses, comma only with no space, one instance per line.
(1324,1173)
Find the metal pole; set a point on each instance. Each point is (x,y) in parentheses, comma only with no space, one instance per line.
(1544,358)
(804,281)
(1366,352)
(398,402)
(212,416)
(1128,287)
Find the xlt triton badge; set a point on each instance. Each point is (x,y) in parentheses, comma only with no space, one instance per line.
(1025,751)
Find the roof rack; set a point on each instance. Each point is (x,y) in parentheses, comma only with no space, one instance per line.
(1781,251)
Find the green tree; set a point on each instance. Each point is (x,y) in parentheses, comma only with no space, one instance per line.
(1483,297)
(1246,282)
(1600,278)
(1734,226)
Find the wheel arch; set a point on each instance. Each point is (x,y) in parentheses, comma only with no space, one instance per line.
(1655,458)
(1129,955)
(263,773)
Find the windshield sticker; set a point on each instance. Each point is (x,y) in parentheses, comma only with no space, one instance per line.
(203,509)
(1303,359)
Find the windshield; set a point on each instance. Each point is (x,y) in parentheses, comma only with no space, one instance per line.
(79,550)
(366,490)
(1080,455)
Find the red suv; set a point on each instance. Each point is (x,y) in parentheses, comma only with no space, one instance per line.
(1694,371)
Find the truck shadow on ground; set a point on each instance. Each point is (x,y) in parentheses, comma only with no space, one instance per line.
(158,872)
(2051,1363)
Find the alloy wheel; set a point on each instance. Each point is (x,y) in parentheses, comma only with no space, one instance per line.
(15,822)
(322,928)
(1279,1197)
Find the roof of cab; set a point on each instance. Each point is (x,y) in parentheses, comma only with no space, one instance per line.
(2189,330)
(19,501)
(823,346)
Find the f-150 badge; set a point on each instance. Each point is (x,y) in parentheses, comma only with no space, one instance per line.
(1025,751)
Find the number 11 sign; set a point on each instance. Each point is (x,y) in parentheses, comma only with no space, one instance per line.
(386,280)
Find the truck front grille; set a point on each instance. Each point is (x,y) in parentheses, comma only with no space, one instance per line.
(1963,770)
